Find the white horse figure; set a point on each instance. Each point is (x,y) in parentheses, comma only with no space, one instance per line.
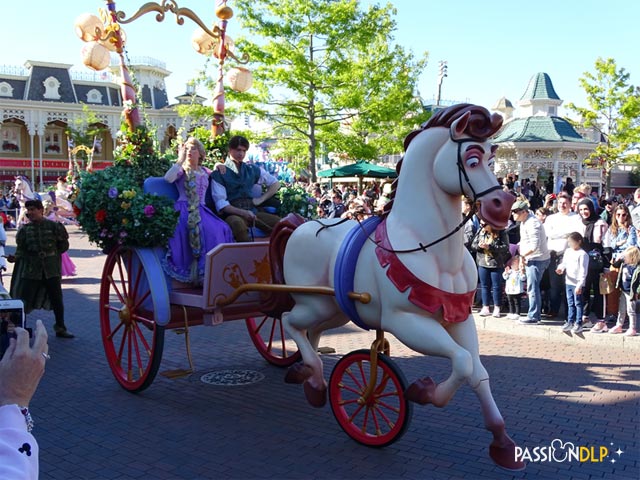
(24,191)
(420,276)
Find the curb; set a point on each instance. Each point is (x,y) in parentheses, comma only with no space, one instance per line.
(551,330)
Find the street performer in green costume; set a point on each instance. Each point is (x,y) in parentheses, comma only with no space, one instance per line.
(37,275)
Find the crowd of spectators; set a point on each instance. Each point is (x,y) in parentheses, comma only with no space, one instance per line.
(547,222)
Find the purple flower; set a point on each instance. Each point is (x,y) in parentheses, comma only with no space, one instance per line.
(113,192)
(149,210)
(123,234)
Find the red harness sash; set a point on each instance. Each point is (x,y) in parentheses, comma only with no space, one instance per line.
(456,306)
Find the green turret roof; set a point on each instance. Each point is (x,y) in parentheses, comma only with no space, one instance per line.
(540,88)
(539,129)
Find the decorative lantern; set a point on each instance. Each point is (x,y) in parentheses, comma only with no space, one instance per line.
(223,12)
(202,42)
(86,26)
(95,56)
(240,79)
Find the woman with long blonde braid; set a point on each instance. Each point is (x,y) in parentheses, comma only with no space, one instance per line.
(199,229)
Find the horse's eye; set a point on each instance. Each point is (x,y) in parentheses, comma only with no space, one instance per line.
(473,162)
(491,162)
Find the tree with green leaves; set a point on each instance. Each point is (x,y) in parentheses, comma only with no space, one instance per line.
(327,71)
(614,112)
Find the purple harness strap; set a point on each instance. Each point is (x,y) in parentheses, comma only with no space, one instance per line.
(345,267)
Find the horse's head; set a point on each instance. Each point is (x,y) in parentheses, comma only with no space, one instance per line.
(463,158)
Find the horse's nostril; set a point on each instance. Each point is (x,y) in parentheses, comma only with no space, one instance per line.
(497,203)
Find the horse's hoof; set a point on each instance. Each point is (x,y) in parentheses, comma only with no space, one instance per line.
(298,373)
(503,453)
(317,397)
(422,391)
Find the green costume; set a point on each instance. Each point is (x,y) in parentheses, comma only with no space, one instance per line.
(38,264)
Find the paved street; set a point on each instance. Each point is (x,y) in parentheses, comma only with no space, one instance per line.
(88,427)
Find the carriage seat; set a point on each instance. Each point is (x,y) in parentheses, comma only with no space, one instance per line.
(159,186)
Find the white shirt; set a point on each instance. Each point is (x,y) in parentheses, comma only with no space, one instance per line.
(15,445)
(219,193)
(533,238)
(575,264)
(558,227)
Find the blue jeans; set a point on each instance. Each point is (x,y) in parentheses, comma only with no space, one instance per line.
(491,281)
(534,270)
(574,305)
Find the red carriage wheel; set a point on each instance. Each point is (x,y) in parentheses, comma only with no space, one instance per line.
(131,336)
(385,415)
(272,342)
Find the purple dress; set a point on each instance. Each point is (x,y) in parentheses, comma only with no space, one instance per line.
(213,231)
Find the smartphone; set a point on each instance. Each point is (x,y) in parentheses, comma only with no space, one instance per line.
(11,316)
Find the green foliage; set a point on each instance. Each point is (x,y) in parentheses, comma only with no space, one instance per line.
(113,211)
(216,147)
(82,130)
(321,64)
(112,208)
(613,111)
(295,199)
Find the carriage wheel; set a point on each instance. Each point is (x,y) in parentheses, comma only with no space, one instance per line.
(132,338)
(272,342)
(385,416)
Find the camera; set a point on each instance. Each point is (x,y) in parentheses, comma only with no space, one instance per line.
(11,316)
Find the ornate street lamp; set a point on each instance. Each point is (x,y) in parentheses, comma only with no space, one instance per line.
(105,34)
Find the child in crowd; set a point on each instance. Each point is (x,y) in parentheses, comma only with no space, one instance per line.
(575,265)
(628,280)
(515,278)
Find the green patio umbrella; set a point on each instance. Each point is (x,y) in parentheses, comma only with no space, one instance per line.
(360,169)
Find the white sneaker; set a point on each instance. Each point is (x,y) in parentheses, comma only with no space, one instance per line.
(513,316)
(485,312)
(496,312)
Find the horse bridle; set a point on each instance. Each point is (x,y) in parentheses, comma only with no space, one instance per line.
(462,173)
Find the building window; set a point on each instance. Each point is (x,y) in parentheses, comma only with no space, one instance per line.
(10,135)
(6,90)
(51,87)
(52,140)
(94,96)
(552,111)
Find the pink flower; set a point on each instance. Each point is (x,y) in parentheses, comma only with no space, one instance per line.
(149,210)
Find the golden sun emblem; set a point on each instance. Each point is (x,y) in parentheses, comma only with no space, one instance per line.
(232,274)
(262,270)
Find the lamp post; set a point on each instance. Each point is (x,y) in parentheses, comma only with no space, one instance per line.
(105,34)
(442,72)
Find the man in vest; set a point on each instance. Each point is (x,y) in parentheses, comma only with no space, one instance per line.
(232,190)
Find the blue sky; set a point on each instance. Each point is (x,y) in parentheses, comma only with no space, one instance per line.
(492,47)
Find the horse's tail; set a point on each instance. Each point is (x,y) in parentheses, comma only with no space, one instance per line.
(275,304)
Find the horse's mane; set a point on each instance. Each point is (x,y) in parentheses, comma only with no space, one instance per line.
(481,126)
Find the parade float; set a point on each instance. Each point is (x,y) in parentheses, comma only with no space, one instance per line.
(405,272)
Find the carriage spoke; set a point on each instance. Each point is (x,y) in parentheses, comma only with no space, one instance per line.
(366,418)
(383,383)
(388,394)
(349,402)
(387,406)
(121,349)
(137,350)
(110,337)
(122,277)
(273,331)
(375,421)
(129,358)
(384,417)
(147,322)
(355,380)
(112,308)
(134,291)
(364,378)
(259,327)
(351,389)
(284,346)
(141,300)
(355,413)
(144,340)
(115,287)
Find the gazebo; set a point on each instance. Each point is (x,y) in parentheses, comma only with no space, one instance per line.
(536,143)
(361,169)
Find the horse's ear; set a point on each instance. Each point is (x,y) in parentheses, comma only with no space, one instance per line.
(459,126)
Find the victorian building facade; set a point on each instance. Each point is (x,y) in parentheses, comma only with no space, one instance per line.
(536,143)
(40,100)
